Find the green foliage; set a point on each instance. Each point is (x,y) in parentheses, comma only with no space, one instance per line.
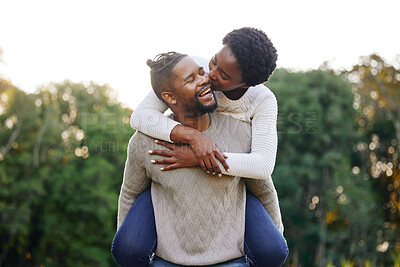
(376,98)
(61,170)
(318,191)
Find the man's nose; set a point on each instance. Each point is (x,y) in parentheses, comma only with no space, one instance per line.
(204,79)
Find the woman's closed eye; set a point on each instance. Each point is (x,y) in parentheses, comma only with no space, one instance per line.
(214,61)
(223,77)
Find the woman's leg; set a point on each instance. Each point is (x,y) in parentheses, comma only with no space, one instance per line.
(136,238)
(263,243)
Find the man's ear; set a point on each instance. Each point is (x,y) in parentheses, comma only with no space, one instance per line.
(169,97)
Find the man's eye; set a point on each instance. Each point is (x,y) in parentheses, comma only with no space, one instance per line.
(223,77)
(189,81)
(213,61)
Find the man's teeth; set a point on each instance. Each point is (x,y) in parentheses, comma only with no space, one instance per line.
(206,92)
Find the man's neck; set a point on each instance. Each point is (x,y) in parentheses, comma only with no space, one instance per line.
(200,123)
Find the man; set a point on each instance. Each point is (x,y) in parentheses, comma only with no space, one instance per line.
(199,217)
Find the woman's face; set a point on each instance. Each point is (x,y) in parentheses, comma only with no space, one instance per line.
(225,72)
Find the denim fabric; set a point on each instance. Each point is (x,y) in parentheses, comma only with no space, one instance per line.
(241,262)
(264,245)
(136,238)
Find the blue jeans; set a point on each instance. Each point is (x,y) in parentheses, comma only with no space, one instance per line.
(136,239)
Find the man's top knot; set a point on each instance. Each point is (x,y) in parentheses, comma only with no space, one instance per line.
(161,71)
(164,60)
(149,63)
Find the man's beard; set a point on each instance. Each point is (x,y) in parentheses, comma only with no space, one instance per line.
(194,108)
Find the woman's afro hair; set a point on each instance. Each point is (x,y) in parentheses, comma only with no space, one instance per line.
(254,52)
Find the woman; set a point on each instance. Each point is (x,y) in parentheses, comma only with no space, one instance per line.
(246,60)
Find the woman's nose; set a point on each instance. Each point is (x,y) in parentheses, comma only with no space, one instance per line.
(212,75)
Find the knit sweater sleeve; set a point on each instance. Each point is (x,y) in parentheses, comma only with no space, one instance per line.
(149,119)
(135,180)
(260,163)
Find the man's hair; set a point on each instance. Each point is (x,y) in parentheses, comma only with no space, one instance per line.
(254,52)
(162,78)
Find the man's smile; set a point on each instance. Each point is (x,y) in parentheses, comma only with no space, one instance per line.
(206,93)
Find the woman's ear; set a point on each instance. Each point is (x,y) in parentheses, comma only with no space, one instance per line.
(244,85)
(169,97)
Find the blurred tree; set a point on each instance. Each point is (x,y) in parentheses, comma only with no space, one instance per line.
(61,170)
(19,191)
(62,153)
(317,189)
(376,89)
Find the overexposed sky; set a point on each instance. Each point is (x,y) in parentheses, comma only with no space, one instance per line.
(110,41)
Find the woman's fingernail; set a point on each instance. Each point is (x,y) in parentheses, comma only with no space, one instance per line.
(213,173)
(207,172)
(227,170)
(150,151)
(152,161)
(220,175)
(161,168)
(156,141)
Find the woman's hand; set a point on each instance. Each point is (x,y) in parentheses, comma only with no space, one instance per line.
(207,154)
(180,156)
(206,151)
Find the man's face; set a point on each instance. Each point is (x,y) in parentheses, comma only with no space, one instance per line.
(193,88)
(225,72)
